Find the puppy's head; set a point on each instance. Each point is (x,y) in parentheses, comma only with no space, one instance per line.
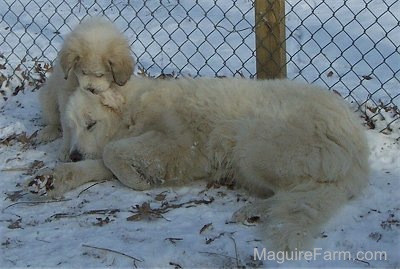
(92,121)
(98,55)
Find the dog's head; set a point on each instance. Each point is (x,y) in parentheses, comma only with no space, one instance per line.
(92,121)
(98,55)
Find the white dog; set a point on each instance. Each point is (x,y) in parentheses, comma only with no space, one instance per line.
(96,57)
(301,142)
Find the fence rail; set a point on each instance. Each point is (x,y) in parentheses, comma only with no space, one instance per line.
(351,47)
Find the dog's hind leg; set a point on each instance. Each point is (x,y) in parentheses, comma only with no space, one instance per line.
(312,173)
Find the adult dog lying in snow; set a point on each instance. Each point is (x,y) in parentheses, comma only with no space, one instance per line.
(96,57)
(300,142)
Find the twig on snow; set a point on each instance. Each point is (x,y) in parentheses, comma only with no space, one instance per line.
(115,251)
(90,212)
(173,239)
(367,263)
(15,169)
(34,203)
(94,184)
(236,252)
(176,265)
(218,254)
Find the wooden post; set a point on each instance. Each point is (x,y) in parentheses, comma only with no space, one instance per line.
(270,39)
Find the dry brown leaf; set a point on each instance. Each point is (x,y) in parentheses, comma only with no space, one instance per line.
(144,212)
(160,197)
(100,221)
(15,225)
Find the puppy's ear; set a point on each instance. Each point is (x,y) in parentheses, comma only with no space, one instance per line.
(68,58)
(121,70)
(113,100)
(121,62)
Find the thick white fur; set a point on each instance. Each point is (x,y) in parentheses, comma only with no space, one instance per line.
(96,57)
(299,141)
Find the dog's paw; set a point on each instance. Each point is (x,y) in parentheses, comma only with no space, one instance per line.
(288,236)
(42,183)
(52,183)
(147,174)
(47,134)
(285,231)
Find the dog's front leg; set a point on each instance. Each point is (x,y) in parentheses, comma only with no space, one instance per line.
(64,152)
(67,176)
(141,162)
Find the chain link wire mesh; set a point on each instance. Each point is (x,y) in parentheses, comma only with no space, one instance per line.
(351,47)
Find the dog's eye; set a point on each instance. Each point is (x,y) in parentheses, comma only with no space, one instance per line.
(90,125)
(99,75)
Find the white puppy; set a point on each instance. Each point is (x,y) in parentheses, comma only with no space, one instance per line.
(301,142)
(96,57)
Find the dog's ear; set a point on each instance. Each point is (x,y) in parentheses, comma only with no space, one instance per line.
(121,70)
(120,61)
(113,100)
(68,58)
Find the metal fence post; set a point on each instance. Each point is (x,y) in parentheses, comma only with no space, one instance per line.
(270,38)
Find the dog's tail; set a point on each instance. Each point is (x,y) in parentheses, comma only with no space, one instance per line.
(292,219)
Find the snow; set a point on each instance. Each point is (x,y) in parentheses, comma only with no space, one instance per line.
(189,226)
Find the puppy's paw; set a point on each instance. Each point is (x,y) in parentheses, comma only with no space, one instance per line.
(47,134)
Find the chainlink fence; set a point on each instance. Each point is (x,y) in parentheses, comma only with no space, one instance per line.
(351,47)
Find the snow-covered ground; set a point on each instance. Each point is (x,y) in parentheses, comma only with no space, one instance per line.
(108,225)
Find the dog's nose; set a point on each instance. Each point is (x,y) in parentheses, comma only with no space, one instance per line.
(75,156)
(91,89)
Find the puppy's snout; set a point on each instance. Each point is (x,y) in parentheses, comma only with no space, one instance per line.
(75,156)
